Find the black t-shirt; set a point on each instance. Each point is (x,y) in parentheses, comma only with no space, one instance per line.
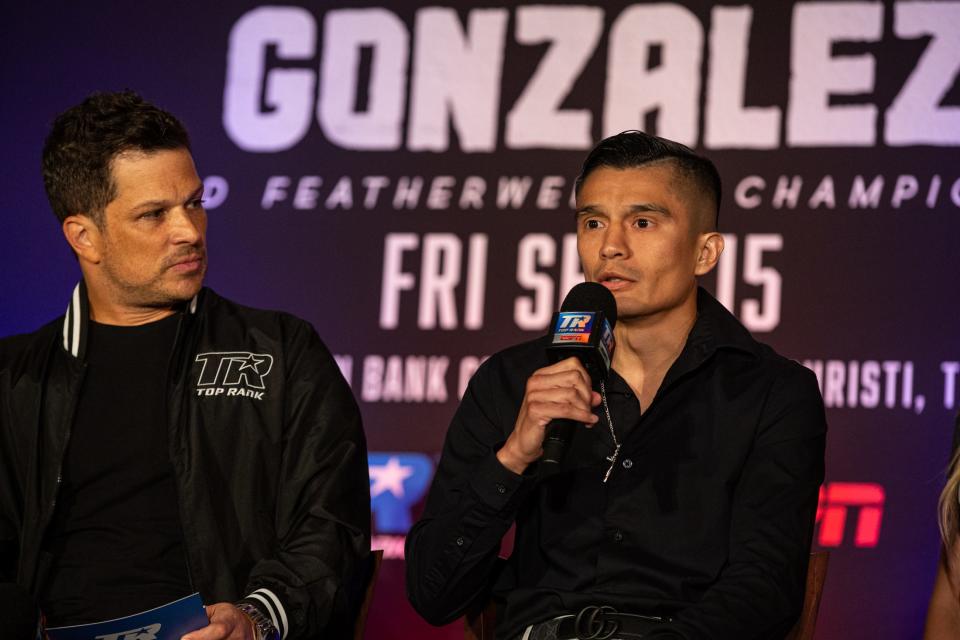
(115,538)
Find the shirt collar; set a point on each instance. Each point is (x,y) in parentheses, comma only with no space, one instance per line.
(76,320)
(715,328)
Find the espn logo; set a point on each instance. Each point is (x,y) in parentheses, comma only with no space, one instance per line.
(838,500)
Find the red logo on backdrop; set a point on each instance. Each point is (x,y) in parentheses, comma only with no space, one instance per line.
(837,500)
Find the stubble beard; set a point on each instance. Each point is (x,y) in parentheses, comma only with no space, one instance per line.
(158,292)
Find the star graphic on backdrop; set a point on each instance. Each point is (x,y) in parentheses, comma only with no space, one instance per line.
(252,362)
(389,477)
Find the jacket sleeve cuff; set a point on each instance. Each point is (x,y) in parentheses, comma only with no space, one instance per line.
(267,602)
(495,484)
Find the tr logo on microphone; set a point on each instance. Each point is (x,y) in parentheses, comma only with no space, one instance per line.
(574,321)
(573,326)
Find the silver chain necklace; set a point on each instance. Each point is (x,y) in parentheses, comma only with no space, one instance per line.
(613,434)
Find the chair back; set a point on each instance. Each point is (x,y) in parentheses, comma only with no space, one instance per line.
(360,623)
(816,576)
(480,624)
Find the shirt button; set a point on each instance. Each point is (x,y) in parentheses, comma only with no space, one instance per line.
(459,542)
(501,488)
(627,463)
(617,537)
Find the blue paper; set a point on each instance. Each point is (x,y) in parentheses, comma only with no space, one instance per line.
(168,622)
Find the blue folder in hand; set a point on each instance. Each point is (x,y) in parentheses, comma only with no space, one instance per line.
(169,622)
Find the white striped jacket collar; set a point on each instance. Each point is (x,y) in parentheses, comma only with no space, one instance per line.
(77,316)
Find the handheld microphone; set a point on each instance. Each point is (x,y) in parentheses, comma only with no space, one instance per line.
(583,328)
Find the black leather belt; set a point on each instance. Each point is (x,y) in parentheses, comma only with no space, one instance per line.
(597,623)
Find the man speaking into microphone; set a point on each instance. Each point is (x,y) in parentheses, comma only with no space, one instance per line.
(683,501)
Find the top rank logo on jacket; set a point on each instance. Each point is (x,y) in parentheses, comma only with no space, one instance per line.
(233,373)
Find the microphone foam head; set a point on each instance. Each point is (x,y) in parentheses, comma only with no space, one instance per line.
(591,296)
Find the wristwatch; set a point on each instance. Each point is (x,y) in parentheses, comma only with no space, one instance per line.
(262,625)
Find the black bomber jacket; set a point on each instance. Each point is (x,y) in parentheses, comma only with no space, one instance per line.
(267,449)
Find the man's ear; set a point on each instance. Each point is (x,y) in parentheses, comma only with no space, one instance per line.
(711,246)
(84,237)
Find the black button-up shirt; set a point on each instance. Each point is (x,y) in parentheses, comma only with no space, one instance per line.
(707,517)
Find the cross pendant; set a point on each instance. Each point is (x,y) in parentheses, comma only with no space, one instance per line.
(613,456)
(613,462)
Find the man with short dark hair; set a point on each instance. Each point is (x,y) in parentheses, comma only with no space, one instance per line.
(713,443)
(158,439)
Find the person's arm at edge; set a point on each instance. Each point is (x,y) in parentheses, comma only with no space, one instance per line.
(943,614)
(10,496)
(451,551)
(760,591)
(323,501)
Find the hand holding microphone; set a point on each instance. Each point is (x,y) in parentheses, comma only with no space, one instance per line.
(560,395)
(560,391)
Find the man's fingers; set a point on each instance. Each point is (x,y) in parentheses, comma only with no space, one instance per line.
(561,396)
(213,631)
(543,411)
(570,378)
(558,391)
(226,623)
(569,364)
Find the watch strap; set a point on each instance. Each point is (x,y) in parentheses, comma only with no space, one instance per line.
(262,625)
